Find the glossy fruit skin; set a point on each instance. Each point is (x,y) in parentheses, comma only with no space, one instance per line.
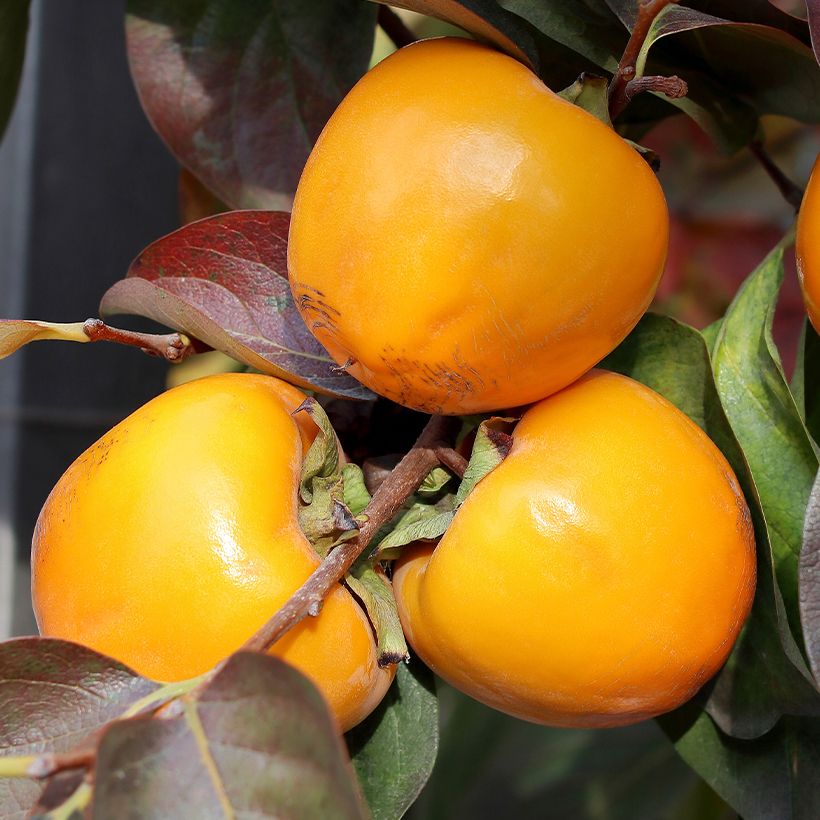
(599,575)
(173,538)
(807,247)
(467,240)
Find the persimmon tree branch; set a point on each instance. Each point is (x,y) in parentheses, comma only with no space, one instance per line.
(394,27)
(397,487)
(452,460)
(173,347)
(792,193)
(625,84)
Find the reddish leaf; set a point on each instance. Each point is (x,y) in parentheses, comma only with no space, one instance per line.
(53,694)
(813,10)
(240,91)
(223,280)
(257,742)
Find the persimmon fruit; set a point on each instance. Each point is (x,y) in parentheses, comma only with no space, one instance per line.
(463,239)
(171,540)
(807,247)
(599,575)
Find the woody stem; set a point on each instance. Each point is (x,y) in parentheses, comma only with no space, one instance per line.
(400,484)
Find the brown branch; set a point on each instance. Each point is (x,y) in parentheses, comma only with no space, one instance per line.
(619,98)
(452,460)
(173,347)
(402,482)
(394,27)
(792,193)
(673,87)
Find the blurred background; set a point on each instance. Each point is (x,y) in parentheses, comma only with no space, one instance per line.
(86,184)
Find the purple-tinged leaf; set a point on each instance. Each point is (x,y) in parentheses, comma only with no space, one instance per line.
(258,741)
(14,333)
(813,10)
(223,280)
(240,91)
(53,694)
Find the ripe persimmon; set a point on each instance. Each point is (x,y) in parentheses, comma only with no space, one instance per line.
(463,239)
(172,539)
(599,575)
(807,247)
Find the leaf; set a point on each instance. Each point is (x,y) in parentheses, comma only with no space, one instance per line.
(765,675)
(775,776)
(375,592)
(422,522)
(813,9)
(590,93)
(491,765)
(765,419)
(491,446)
(14,333)
(736,70)
(240,92)
(434,482)
(14,16)
(485,19)
(586,29)
(223,280)
(356,496)
(257,741)
(53,694)
(394,750)
(806,385)
(809,586)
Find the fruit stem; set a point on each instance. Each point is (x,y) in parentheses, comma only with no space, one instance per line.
(394,27)
(397,487)
(452,460)
(173,347)
(625,83)
(792,193)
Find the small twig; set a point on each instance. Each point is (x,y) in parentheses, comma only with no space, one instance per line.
(173,347)
(394,27)
(48,764)
(792,193)
(402,482)
(452,460)
(673,87)
(624,75)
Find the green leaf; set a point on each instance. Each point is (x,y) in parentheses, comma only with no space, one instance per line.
(356,496)
(765,419)
(322,459)
(765,675)
(491,446)
(491,765)
(13,30)
(775,776)
(240,91)
(421,522)
(257,741)
(806,383)
(435,481)
(590,93)
(394,750)
(376,594)
(324,517)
